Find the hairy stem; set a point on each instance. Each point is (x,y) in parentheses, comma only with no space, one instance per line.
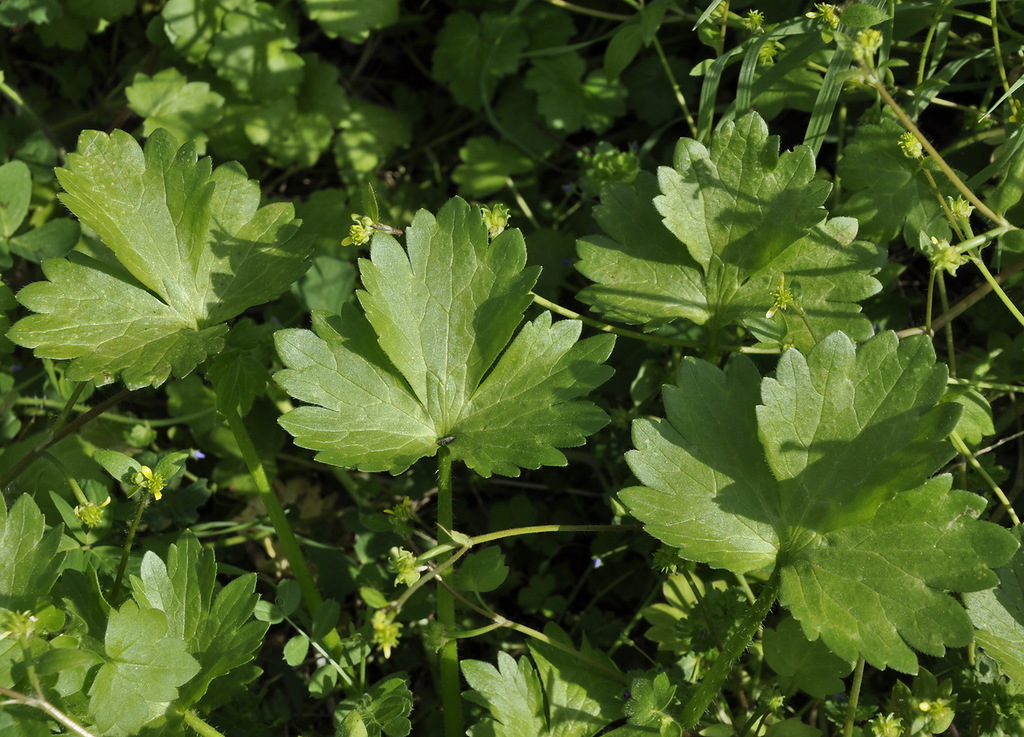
(731,652)
(201,727)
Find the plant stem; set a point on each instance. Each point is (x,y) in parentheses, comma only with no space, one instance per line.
(500,621)
(199,725)
(49,709)
(966,303)
(997,289)
(872,79)
(680,98)
(283,528)
(126,552)
(534,529)
(851,707)
(962,448)
(55,436)
(605,327)
(731,652)
(451,686)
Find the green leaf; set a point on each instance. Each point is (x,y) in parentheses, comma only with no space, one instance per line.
(382,710)
(298,129)
(52,239)
(238,378)
(29,557)
(194,248)
(887,191)
(623,48)
(863,15)
(809,666)
(563,696)
(18,12)
(15,193)
(191,25)
(215,626)
(168,100)
(976,418)
(828,478)
(325,619)
(252,51)
(352,19)
(472,54)
(487,165)
(649,700)
(145,667)
(569,102)
(289,596)
(295,650)
(999,616)
(423,363)
(483,571)
(369,134)
(711,238)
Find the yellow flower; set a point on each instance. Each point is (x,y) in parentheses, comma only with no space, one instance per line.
(360,231)
(386,632)
(91,514)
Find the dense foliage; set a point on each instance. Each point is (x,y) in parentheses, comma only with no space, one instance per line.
(511,368)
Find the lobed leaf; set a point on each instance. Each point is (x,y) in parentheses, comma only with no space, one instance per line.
(252,50)
(568,101)
(826,478)
(711,238)
(194,248)
(431,363)
(145,667)
(215,625)
(168,100)
(563,696)
(352,19)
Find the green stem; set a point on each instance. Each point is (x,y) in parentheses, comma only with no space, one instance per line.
(731,652)
(76,489)
(587,11)
(948,328)
(872,79)
(201,728)
(501,621)
(123,565)
(278,518)
(53,437)
(605,327)
(451,685)
(966,303)
(68,406)
(49,709)
(534,529)
(851,708)
(680,98)
(962,448)
(458,551)
(997,289)
(974,384)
